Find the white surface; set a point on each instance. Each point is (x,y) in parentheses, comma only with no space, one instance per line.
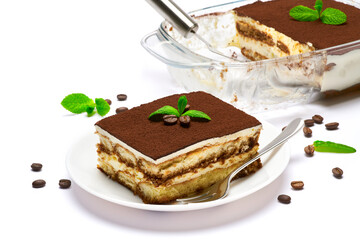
(49,49)
(81,163)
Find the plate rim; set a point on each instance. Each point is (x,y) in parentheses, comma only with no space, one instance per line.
(176,207)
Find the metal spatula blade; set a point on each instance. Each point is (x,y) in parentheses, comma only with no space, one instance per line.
(185,25)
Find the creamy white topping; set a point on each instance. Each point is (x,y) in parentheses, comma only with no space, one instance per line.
(345,73)
(249,132)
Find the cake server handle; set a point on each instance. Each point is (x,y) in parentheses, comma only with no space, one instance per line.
(176,16)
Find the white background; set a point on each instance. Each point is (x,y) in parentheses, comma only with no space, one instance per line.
(49,49)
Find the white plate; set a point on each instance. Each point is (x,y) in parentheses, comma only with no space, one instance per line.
(81,163)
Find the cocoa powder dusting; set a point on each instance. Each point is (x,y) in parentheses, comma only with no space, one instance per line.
(154,139)
(276,14)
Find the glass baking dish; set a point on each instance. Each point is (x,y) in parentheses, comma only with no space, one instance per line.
(257,85)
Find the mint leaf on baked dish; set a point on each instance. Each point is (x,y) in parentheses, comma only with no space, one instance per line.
(328,16)
(166,110)
(318,6)
(182,103)
(102,106)
(333,16)
(304,14)
(197,114)
(79,103)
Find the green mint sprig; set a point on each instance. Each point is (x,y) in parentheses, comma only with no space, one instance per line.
(322,146)
(182,102)
(79,103)
(330,16)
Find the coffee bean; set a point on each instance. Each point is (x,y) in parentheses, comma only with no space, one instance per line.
(121,97)
(64,183)
(284,198)
(187,108)
(332,126)
(309,150)
(307,131)
(108,101)
(317,119)
(121,109)
(36,167)
(309,122)
(170,119)
(338,172)
(38,183)
(185,121)
(297,185)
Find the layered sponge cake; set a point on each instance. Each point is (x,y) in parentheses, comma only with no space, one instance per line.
(161,163)
(264,29)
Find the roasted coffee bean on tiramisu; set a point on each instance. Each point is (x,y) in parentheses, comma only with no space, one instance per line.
(170,119)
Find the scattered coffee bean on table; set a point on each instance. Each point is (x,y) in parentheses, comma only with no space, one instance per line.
(121,97)
(283,198)
(332,126)
(121,109)
(309,122)
(64,183)
(170,119)
(337,172)
(36,167)
(307,132)
(38,183)
(184,121)
(297,185)
(318,119)
(309,150)
(108,101)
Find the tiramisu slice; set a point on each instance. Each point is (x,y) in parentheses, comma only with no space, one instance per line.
(161,162)
(265,30)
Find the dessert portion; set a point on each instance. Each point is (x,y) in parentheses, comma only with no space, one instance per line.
(261,30)
(161,162)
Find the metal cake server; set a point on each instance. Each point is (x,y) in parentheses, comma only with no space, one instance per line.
(221,189)
(186,26)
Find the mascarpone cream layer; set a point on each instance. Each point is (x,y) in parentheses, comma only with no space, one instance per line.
(246,133)
(138,177)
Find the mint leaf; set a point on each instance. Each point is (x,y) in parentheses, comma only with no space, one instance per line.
(166,110)
(90,114)
(196,113)
(90,109)
(322,146)
(333,16)
(318,6)
(304,14)
(77,103)
(102,106)
(182,102)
